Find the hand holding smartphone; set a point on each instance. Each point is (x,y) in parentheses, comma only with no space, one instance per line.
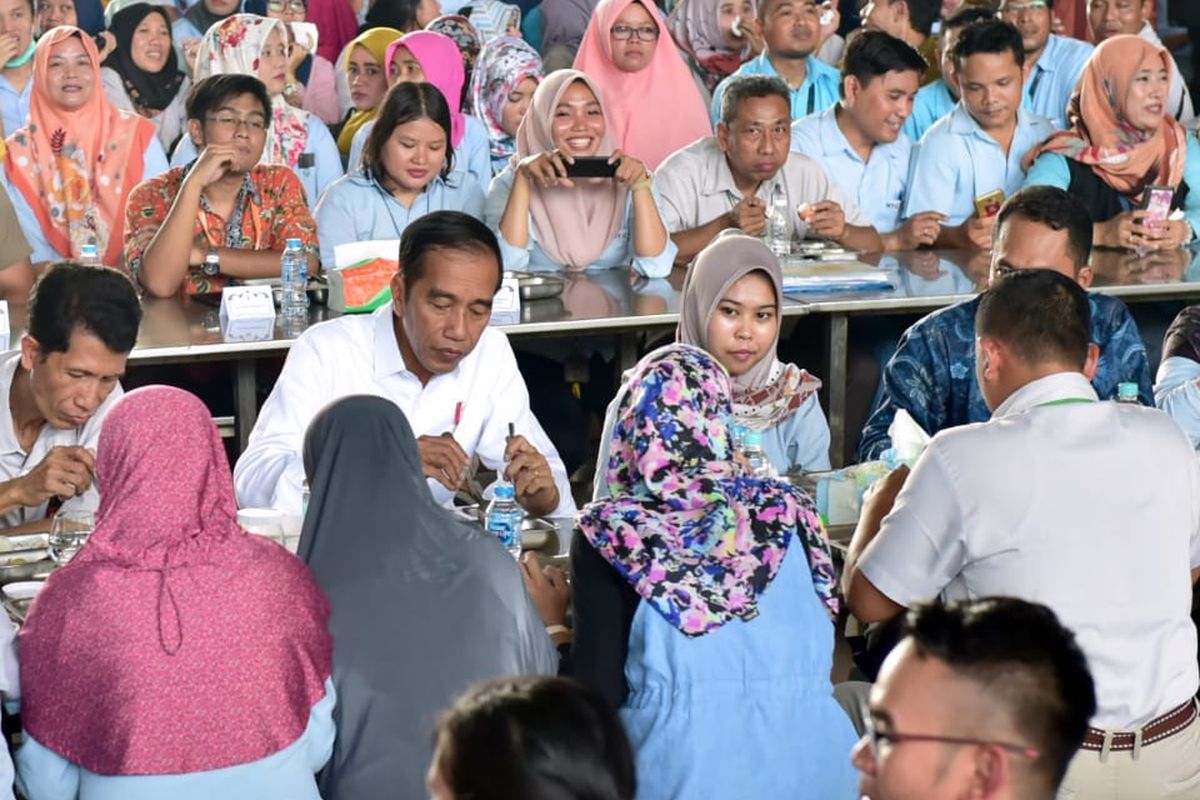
(591,167)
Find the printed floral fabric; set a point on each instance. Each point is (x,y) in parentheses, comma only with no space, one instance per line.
(696,536)
(269,210)
(504,63)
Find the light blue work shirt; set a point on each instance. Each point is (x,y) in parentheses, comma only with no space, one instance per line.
(14,105)
(1176,392)
(326,166)
(877,185)
(820,90)
(957,161)
(356,208)
(799,443)
(473,154)
(43,774)
(154,163)
(933,102)
(619,252)
(1052,79)
(1051,169)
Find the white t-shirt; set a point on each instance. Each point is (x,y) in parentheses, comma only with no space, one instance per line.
(1091,508)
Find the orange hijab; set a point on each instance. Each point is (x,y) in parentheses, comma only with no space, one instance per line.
(76,168)
(654,111)
(1125,158)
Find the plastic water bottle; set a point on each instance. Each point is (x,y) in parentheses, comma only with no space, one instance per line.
(88,256)
(1128,393)
(779,224)
(755,456)
(504,518)
(293,274)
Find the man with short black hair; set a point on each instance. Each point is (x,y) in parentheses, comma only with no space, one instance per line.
(985,698)
(910,21)
(16,65)
(82,324)
(860,141)
(937,99)
(1054,63)
(431,352)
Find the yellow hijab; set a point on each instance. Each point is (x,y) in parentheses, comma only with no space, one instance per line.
(376,41)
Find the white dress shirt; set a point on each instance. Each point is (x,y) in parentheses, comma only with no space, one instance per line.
(359,355)
(16,462)
(1091,508)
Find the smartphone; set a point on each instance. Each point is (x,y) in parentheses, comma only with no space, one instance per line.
(591,167)
(1157,205)
(988,205)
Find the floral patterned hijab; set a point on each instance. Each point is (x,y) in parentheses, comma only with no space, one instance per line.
(504,63)
(234,45)
(696,537)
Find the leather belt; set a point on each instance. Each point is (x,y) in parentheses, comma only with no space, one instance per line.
(1157,729)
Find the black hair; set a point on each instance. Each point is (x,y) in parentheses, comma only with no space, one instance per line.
(1056,209)
(405,102)
(96,300)
(536,739)
(746,87)
(965,16)
(445,230)
(214,91)
(1020,654)
(398,14)
(922,14)
(873,54)
(989,36)
(1041,315)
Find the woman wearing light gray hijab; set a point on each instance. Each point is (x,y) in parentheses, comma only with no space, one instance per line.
(424,605)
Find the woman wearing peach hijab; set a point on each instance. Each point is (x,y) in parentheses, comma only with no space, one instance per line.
(654,105)
(70,169)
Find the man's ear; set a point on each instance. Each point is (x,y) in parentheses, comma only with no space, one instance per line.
(30,352)
(1092,361)
(195,130)
(723,136)
(991,359)
(398,297)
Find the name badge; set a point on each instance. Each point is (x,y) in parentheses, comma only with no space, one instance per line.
(247,330)
(506,305)
(240,303)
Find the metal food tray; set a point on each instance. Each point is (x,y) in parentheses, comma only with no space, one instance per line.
(537,286)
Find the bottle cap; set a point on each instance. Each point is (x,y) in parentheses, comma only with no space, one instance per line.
(88,250)
(293,243)
(505,491)
(1127,391)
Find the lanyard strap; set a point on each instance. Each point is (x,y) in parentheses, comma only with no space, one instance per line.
(1066,401)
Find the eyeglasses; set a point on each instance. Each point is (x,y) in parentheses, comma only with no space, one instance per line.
(646,33)
(875,738)
(295,6)
(1014,9)
(231,123)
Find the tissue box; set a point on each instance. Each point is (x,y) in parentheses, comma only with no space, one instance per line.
(362,287)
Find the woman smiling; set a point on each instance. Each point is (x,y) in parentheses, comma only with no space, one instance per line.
(142,73)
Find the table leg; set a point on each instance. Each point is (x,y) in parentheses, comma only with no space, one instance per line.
(839,345)
(627,352)
(245,398)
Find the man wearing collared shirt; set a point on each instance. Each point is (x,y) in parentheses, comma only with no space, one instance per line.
(791,32)
(937,99)
(82,324)
(727,181)
(970,161)
(1134,17)
(1054,62)
(1091,508)
(432,353)
(932,374)
(910,21)
(16,64)
(860,143)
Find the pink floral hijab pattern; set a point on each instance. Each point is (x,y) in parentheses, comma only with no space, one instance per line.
(696,537)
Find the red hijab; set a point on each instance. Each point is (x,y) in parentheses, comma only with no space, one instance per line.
(174,642)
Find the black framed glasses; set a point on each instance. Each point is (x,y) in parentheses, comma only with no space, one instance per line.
(875,738)
(231,123)
(645,33)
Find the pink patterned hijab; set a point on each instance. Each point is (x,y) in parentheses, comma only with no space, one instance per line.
(442,63)
(174,642)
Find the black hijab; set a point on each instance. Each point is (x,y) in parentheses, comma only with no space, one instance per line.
(151,90)
(202,18)
(423,604)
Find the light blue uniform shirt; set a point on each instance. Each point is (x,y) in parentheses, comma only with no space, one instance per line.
(957,162)
(877,185)
(1176,393)
(473,154)
(800,442)
(14,105)
(1052,79)
(154,163)
(326,160)
(289,774)
(1051,169)
(933,102)
(357,209)
(820,90)
(619,252)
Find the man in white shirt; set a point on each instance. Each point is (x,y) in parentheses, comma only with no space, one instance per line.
(432,353)
(1091,508)
(727,181)
(82,324)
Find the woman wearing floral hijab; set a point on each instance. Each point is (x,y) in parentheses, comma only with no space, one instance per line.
(705,600)
(502,85)
(714,35)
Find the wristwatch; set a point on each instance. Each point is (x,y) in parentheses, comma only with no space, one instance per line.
(212,263)
(290,90)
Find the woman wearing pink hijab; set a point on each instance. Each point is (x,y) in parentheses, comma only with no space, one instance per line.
(176,655)
(654,105)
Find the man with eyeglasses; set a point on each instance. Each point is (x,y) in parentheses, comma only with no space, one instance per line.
(988,698)
(1054,63)
(791,30)
(1109,18)
(224,216)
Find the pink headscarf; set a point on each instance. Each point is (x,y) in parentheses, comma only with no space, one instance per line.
(574,225)
(442,62)
(336,23)
(174,642)
(654,111)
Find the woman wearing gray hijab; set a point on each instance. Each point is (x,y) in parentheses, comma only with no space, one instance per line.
(423,605)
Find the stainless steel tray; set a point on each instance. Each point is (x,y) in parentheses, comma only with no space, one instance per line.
(537,285)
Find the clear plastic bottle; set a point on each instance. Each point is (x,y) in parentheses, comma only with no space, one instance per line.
(779,227)
(293,275)
(89,256)
(1128,393)
(504,517)
(755,456)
